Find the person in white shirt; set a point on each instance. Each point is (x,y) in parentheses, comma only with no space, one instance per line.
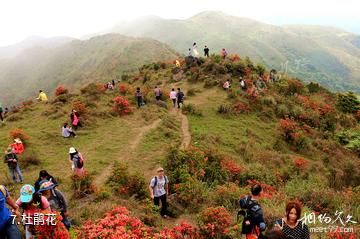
(159,189)
(173,96)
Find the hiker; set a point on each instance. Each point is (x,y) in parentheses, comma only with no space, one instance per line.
(138,96)
(75,119)
(291,225)
(224,53)
(194,49)
(226,85)
(113,83)
(109,86)
(159,189)
(242,83)
(77,161)
(44,175)
(173,96)
(17,146)
(180,98)
(30,202)
(1,113)
(189,52)
(177,63)
(206,51)
(254,223)
(8,229)
(158,93)
(42,96)
(13,165)
(56,200)
(6,112)
(67,131)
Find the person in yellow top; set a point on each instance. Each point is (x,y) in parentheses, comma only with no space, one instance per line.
(42,96)
(177,63)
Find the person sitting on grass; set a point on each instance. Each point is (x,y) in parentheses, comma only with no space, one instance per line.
(42,96)
(67,131)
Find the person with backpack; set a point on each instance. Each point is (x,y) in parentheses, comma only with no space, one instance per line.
(44,175)
(42,96)
(253,223)
(226,85)
(180,97)
(173,96)
(31,202)
(206,51)
(12,161)
(158,93)
(77,161)
(8,229)
(291,224)
(139,98)
(56,200)
(17,146)
(67,132)
(159,189)
(75,119)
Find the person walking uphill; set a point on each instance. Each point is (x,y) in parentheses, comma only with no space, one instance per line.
(158,93)
(139,98)
(8,229)
(180,97)
(254,223)
(42,96)
(12,162)
(173,96)
(1,113)
(77,161)
(159,189)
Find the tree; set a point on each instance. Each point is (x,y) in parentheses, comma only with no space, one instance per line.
(348,103)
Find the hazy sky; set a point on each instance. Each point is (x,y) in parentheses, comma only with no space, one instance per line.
(22,18)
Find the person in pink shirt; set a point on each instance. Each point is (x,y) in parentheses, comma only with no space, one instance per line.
(17,146)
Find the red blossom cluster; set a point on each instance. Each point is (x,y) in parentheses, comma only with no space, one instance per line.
(214,222)
(19,133)
(61,90)
(301,164)
(80,107)
(241,108)
(123,89)
(231,167)
(121,106)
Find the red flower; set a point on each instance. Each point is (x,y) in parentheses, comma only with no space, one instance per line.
(121,106)
(61,90)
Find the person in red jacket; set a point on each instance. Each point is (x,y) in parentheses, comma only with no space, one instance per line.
(17,146)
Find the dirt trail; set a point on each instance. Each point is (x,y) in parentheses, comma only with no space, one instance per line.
(127,153)
(186,135)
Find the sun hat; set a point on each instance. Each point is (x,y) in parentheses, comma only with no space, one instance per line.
(26,193)
(72,150)
(46,185)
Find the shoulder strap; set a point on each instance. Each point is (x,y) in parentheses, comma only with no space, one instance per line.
(155,183)
(3,190)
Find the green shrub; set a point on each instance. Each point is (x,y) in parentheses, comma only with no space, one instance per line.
(224,109)
(82,184)
(127,184)
(191,109)
(348,103)
(28,158)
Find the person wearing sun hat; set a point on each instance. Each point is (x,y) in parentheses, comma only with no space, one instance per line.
(76,160)
(12,161)
(30,202)
(56,200)
(17,146)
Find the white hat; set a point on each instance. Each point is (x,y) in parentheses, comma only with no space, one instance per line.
(72,150)
(17,140)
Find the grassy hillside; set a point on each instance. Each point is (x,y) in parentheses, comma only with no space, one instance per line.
(99,59)
(298,141)
(325,55)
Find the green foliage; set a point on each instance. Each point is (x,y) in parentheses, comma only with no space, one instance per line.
(127,184)
(348,103)
(191,109)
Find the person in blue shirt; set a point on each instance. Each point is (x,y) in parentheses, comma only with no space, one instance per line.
(8,227)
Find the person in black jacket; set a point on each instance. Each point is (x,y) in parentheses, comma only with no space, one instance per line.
(12,161)
(44,175)
(254,223)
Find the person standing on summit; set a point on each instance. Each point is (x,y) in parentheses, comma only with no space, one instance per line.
(206,51)
(194,50)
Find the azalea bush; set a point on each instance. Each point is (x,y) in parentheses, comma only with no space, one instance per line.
(121,106)
(61,90)
(80,107)
(214,222)
(19,133)
(82,184)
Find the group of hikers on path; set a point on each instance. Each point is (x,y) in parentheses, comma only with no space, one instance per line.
(35,202)
(177,97)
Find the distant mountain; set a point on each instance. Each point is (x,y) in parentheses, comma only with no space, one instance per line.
(34,41)
(327,55)
(99,59)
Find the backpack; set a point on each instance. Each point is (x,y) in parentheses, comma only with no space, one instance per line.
(251,208)
(79,161)
(156,180)
(10,160)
